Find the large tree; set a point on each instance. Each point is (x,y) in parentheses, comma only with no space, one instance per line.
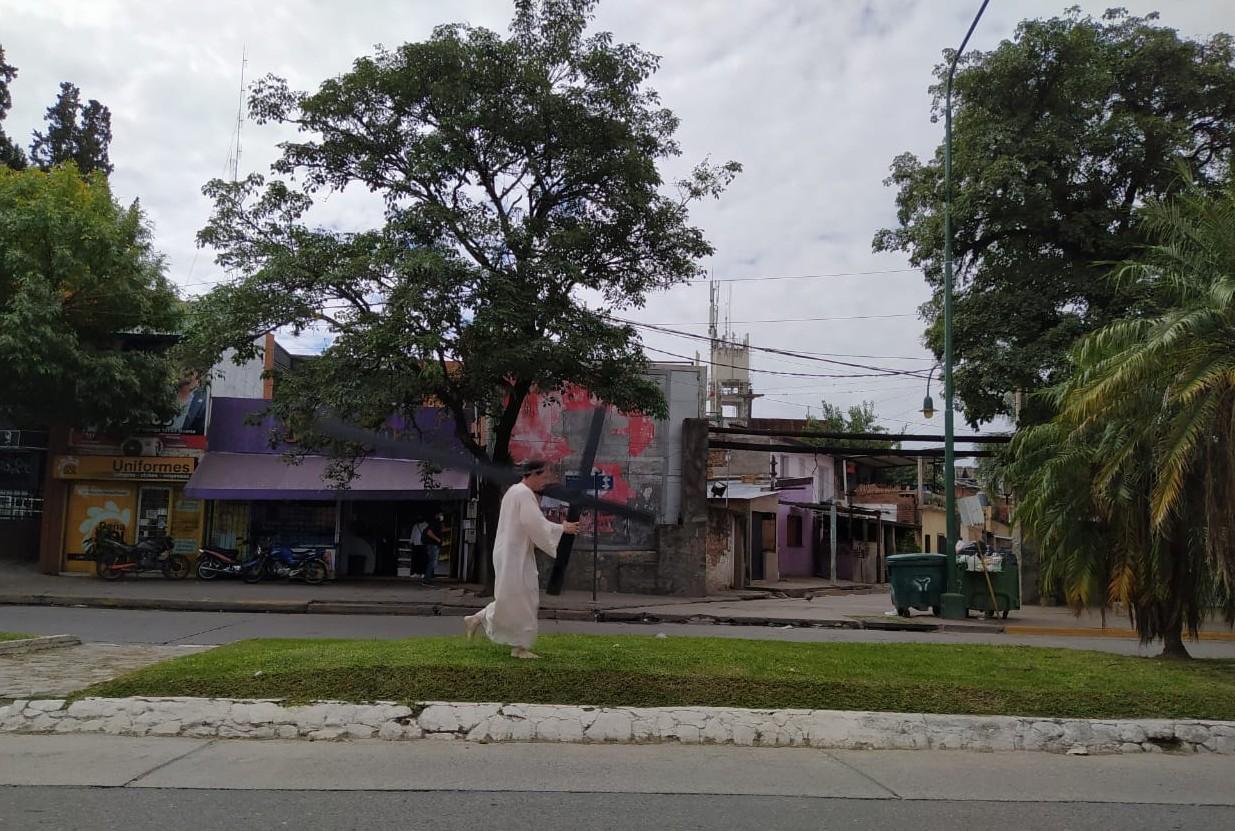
(1059,134)
(519,177)
(76,132)
(80,291)
(1130,488)
(10,153)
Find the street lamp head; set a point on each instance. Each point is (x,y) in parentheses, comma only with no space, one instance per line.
(928,407)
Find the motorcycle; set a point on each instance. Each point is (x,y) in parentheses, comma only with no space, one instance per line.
(213,562)
(282,561)
(113,559)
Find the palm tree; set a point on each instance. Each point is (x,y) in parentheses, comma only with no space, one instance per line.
(1130,489)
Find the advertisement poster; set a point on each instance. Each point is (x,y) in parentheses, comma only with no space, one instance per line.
(183,435)
(186,525)
(89,506)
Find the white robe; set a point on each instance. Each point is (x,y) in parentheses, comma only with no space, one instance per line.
(521,528)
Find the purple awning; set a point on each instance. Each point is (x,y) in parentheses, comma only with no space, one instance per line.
(263,476)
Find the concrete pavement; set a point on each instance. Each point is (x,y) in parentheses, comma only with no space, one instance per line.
(114,782)
(118,761)
(58,809)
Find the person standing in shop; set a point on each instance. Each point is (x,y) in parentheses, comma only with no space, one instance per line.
(432,538)
(417,540)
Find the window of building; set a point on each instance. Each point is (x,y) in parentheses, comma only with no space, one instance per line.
(943,543)
(926,541)
(793,529)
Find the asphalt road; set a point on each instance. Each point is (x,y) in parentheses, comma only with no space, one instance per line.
(141,626)
(62,809)
(108,782)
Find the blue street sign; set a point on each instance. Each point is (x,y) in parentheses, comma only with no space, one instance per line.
(598,481)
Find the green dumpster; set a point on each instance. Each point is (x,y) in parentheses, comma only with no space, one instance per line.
(1005,583)
(917,581)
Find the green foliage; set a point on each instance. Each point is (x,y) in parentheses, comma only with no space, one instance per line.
(859,418)
(633,671)
(516,173)
(78,284)
(75,133)
(10,153)
(1058,135)
(1130,489)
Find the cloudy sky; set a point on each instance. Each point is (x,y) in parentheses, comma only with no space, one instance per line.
(813,97)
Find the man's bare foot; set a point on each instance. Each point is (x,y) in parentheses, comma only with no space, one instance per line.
(470,624)
(525,654)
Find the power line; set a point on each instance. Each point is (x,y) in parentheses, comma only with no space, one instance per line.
(767,371)
(917,373)
(786,320)
(803,276)
(757,279)
(802,352)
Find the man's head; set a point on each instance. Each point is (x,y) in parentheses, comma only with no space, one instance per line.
(537,474)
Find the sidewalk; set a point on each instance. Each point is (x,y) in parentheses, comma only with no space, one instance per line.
(459,767)
(845,606)
(22,585)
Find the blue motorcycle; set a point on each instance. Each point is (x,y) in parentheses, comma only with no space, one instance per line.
(276,562)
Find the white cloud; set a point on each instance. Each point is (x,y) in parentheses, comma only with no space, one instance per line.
(813,98)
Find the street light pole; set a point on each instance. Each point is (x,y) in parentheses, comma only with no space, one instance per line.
(953,602)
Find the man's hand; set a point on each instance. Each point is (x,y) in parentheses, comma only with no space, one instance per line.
(570,528)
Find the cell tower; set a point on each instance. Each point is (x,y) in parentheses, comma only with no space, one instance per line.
(730,393)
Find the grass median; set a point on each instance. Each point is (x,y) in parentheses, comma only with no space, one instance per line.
(15,636)
(649,672)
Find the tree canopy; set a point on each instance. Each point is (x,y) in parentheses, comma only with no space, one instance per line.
(76,132)
(1059,135)
(1130,488)
(859,418)
(79,284)
(10,152)
(523,205)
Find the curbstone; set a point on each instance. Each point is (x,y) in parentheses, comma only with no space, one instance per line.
(476,722)
(24,645)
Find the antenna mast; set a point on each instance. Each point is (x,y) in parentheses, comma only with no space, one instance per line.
(235,159)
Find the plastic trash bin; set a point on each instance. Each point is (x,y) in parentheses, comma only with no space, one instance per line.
(1006,584)
(917,582)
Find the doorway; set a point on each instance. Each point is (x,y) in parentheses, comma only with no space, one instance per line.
(152,508)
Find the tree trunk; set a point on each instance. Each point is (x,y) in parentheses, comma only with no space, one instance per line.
(1173,647)
(491,492)
(1173,638)
(490,507)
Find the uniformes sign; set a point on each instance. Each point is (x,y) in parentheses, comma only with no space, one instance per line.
(145,468)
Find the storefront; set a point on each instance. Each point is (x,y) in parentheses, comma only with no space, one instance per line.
(362,530)
(254,496)
(139,496)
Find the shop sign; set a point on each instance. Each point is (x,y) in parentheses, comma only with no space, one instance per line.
(144,444)
(144,468)
(21,439)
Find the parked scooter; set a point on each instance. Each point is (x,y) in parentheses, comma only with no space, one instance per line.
(113,559)
(214,562)
(284,562)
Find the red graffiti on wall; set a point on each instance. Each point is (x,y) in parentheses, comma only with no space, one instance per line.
(536,433)
(640,432)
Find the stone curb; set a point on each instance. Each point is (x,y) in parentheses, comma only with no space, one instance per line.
(24,645)
(826,729)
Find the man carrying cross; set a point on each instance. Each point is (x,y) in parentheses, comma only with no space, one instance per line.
(521,528)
